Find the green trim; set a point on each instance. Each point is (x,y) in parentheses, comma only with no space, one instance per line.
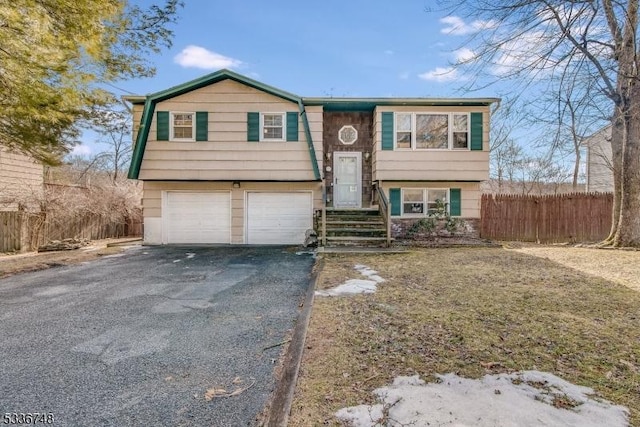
(202,125)
(307,134)
(253,127)
(292,126)
(141,139)
(162,126)
(369,104)
(476,131)
(387,130)
(396,202)
(455,202)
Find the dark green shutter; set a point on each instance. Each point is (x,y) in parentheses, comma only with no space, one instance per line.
(253,127)
(162,125)
(387,131)
(395,200)
(455,204)
(202,126)
(476,131)
(292,126)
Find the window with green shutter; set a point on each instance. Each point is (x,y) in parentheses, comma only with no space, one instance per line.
(395,199)
(253,127)
(476,131)
(202,126)
(162,125)
(387,130)
(292,126)
(455,202)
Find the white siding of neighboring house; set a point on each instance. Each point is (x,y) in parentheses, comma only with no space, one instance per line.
(599,169)
(21,180)
(227,155)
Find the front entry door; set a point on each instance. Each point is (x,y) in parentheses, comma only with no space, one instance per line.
(347,179)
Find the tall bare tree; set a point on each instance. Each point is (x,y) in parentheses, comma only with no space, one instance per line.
(539,41)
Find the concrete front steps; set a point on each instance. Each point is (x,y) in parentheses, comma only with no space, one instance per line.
(355,227)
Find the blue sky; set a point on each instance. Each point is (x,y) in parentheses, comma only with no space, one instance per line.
(316,48)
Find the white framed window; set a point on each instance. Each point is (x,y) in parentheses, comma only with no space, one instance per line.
(404,133)
(421,202)
(272,126)
(460,131)
(182,126)
(431,131)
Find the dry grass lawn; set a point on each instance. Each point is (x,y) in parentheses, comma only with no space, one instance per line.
(473,311)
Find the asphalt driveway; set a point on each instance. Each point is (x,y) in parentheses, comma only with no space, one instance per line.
(139,338)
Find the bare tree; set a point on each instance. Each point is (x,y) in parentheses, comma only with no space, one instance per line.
(545,40)
(114,128)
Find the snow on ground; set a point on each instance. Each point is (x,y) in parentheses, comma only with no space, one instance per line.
(521,399)
(355,286)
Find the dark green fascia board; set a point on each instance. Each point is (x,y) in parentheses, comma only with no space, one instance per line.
(307,133)
(151,100)
(216,77)
(369,104)
(141,139)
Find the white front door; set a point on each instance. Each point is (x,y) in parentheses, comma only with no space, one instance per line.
(347,179)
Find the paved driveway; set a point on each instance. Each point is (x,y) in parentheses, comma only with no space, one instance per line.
(137,339)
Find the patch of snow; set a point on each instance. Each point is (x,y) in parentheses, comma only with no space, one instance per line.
(355,286)
(350,287)
(494,400)
(369,273)
(190,255)
(176,260)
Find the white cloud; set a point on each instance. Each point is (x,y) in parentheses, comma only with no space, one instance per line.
(440,74)
(198,57)
(464,55)
(457,27)
(81,150)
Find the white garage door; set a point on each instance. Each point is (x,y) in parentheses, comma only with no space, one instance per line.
(197,217)
(278,218)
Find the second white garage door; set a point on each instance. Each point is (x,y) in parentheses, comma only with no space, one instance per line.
(197,217)
(278,218)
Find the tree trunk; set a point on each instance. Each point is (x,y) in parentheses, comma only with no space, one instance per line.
(628,230)
(617,139)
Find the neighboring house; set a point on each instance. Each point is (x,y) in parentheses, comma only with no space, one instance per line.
(227,159)
(599,165)
(21,181)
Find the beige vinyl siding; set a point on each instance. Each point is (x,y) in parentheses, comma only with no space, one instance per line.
(152,198)
(463,165)
(599,167)
(137,110)
(227,155)
(21,180)
(470,192)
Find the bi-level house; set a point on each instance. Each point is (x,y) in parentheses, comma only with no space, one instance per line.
(227,159)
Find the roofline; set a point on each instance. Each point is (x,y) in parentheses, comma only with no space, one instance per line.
(219,75)
(134,99)
(402,101)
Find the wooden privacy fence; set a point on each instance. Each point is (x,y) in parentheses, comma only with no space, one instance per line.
(575,217)
(22,231)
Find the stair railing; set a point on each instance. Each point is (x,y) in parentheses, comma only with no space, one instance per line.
(384,207)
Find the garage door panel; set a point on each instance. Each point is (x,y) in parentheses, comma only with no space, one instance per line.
(278,218)
(193,217)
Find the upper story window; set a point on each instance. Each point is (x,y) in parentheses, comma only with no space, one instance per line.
(182,126)
(272,125)
(432,131)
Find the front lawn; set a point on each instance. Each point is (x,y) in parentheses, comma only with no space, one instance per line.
(471,311)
